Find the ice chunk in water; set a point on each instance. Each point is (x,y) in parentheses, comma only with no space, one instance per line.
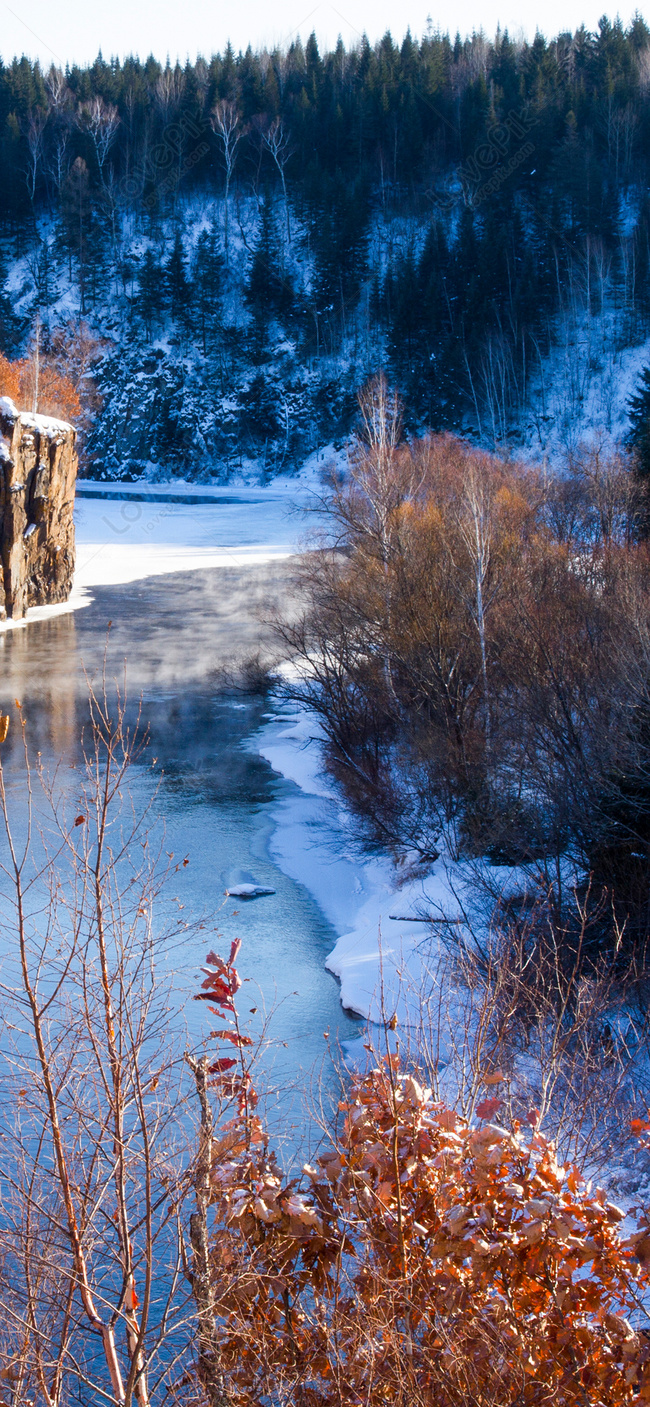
(248,891)
(243,886)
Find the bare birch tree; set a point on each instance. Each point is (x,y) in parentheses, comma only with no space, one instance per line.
(101,121)
(476,532)
(35,146)
(276,141)
(225,123)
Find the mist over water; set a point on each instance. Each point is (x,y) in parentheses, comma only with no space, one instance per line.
(211,794)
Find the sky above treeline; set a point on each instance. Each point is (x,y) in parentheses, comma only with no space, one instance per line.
(74,31)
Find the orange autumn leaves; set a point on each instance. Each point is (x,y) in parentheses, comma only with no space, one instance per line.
(56,393)
(420,1260)
(482,1273)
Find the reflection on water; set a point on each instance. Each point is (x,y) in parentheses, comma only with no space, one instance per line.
(214,795)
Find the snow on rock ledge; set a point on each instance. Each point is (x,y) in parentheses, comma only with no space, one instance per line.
(38,471)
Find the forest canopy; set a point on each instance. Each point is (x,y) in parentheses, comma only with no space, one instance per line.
(437,207)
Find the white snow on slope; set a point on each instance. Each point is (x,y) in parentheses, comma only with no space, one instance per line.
(582,399)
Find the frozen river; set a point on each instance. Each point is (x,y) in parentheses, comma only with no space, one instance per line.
(215,793)
(188,581)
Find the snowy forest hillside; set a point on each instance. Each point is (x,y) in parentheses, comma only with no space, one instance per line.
(245,240)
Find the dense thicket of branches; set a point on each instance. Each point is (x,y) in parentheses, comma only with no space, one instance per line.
(510,178)
(478,656)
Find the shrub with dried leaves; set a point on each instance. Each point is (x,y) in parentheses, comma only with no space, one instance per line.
(422,1259)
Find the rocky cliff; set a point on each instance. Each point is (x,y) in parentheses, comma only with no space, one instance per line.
(38,470)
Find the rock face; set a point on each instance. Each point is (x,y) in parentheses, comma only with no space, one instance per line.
(38,470)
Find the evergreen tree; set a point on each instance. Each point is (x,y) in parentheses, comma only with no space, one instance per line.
(639,436)
(208,285)
(179,288)
(269,292)
(259,403)
(151,294)
(44,280)
(641,272)
(619,847)
(407,317)
(340,236)
(76,219)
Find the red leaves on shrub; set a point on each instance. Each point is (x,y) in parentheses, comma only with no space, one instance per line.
(488,1108)
(220,1065)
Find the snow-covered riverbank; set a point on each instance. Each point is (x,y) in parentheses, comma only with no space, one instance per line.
(384,951)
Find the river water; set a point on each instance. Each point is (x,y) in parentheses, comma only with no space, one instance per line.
(211,790)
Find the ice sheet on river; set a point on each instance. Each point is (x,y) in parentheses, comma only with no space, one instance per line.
(124,540)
